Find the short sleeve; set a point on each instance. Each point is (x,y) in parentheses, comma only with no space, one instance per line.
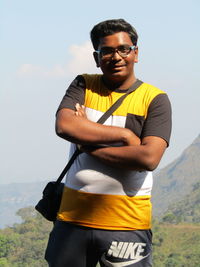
(74,94)
(159,118)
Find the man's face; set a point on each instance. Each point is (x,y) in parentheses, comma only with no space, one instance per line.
(115,67)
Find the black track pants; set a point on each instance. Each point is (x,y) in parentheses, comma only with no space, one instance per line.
(75,246)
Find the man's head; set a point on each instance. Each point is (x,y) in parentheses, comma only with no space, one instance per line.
(115,44)
(110,27)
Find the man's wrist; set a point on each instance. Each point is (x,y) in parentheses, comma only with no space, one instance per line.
(129,138)
(89,148)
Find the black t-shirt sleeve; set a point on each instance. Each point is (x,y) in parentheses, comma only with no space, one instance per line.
(74,94)
(159,118)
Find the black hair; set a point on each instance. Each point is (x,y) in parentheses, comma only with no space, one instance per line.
(109,27)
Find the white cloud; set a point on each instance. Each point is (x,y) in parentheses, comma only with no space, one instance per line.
(81,61)
(36,70)
(29,69)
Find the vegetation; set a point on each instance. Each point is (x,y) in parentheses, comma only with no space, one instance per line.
(174,245)
(24,244)
(175,181)
(186,210)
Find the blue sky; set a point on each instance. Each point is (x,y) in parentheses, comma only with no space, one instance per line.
(45,44)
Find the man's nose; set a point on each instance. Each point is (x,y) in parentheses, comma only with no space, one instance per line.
(116,55)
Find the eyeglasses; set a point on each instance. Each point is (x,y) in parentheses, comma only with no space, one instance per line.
(108,52)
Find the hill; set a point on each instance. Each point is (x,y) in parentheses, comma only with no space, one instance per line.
(15,196)
(177,180)
(176,245)
(186,210)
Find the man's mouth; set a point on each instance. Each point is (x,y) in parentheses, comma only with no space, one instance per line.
(117,67)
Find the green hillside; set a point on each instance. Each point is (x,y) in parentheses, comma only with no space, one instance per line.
(176,245)
(177,180)
(187,210)
(16,196)
(22,245)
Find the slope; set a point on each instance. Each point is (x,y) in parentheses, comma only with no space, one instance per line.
(177,180)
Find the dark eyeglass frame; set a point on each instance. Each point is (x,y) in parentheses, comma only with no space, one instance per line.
(108,52)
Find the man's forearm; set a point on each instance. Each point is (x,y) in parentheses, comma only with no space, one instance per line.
(82,131)
(135,157)
(120,157)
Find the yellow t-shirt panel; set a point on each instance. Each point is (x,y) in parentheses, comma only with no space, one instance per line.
(136,103)
(112,212)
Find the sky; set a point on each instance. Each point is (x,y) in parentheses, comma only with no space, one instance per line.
(44,45)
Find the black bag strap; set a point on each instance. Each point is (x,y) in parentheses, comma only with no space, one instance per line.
(118,102)
(103,118)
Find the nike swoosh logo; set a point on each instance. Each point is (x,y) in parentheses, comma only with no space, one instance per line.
(121,264)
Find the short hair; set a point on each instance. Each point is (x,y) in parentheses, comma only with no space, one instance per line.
(109,27)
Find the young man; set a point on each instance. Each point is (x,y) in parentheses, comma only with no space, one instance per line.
(105,214)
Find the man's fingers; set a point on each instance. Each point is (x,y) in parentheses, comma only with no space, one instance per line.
(77,106)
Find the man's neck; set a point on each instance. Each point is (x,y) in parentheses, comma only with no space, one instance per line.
(121,85)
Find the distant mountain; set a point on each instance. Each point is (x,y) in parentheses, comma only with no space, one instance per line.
(186,210)
(178,180)
(15,196)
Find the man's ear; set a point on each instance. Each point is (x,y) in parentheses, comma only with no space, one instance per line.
(96,58)
(136,54)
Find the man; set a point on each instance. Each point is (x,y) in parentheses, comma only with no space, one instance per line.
(105,214)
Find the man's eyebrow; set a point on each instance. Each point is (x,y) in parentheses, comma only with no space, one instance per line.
(116,46)
(107,47)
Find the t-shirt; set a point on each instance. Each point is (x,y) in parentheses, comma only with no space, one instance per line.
(100,196)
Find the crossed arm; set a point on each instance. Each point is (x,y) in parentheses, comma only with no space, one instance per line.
(135,154)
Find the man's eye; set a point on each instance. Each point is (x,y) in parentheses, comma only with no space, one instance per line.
(106,51)
(123,48)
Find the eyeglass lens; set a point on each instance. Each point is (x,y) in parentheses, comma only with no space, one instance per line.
(123,51)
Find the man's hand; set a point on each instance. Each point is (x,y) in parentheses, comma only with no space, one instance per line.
(74,126)
(80,111)
(130,138)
